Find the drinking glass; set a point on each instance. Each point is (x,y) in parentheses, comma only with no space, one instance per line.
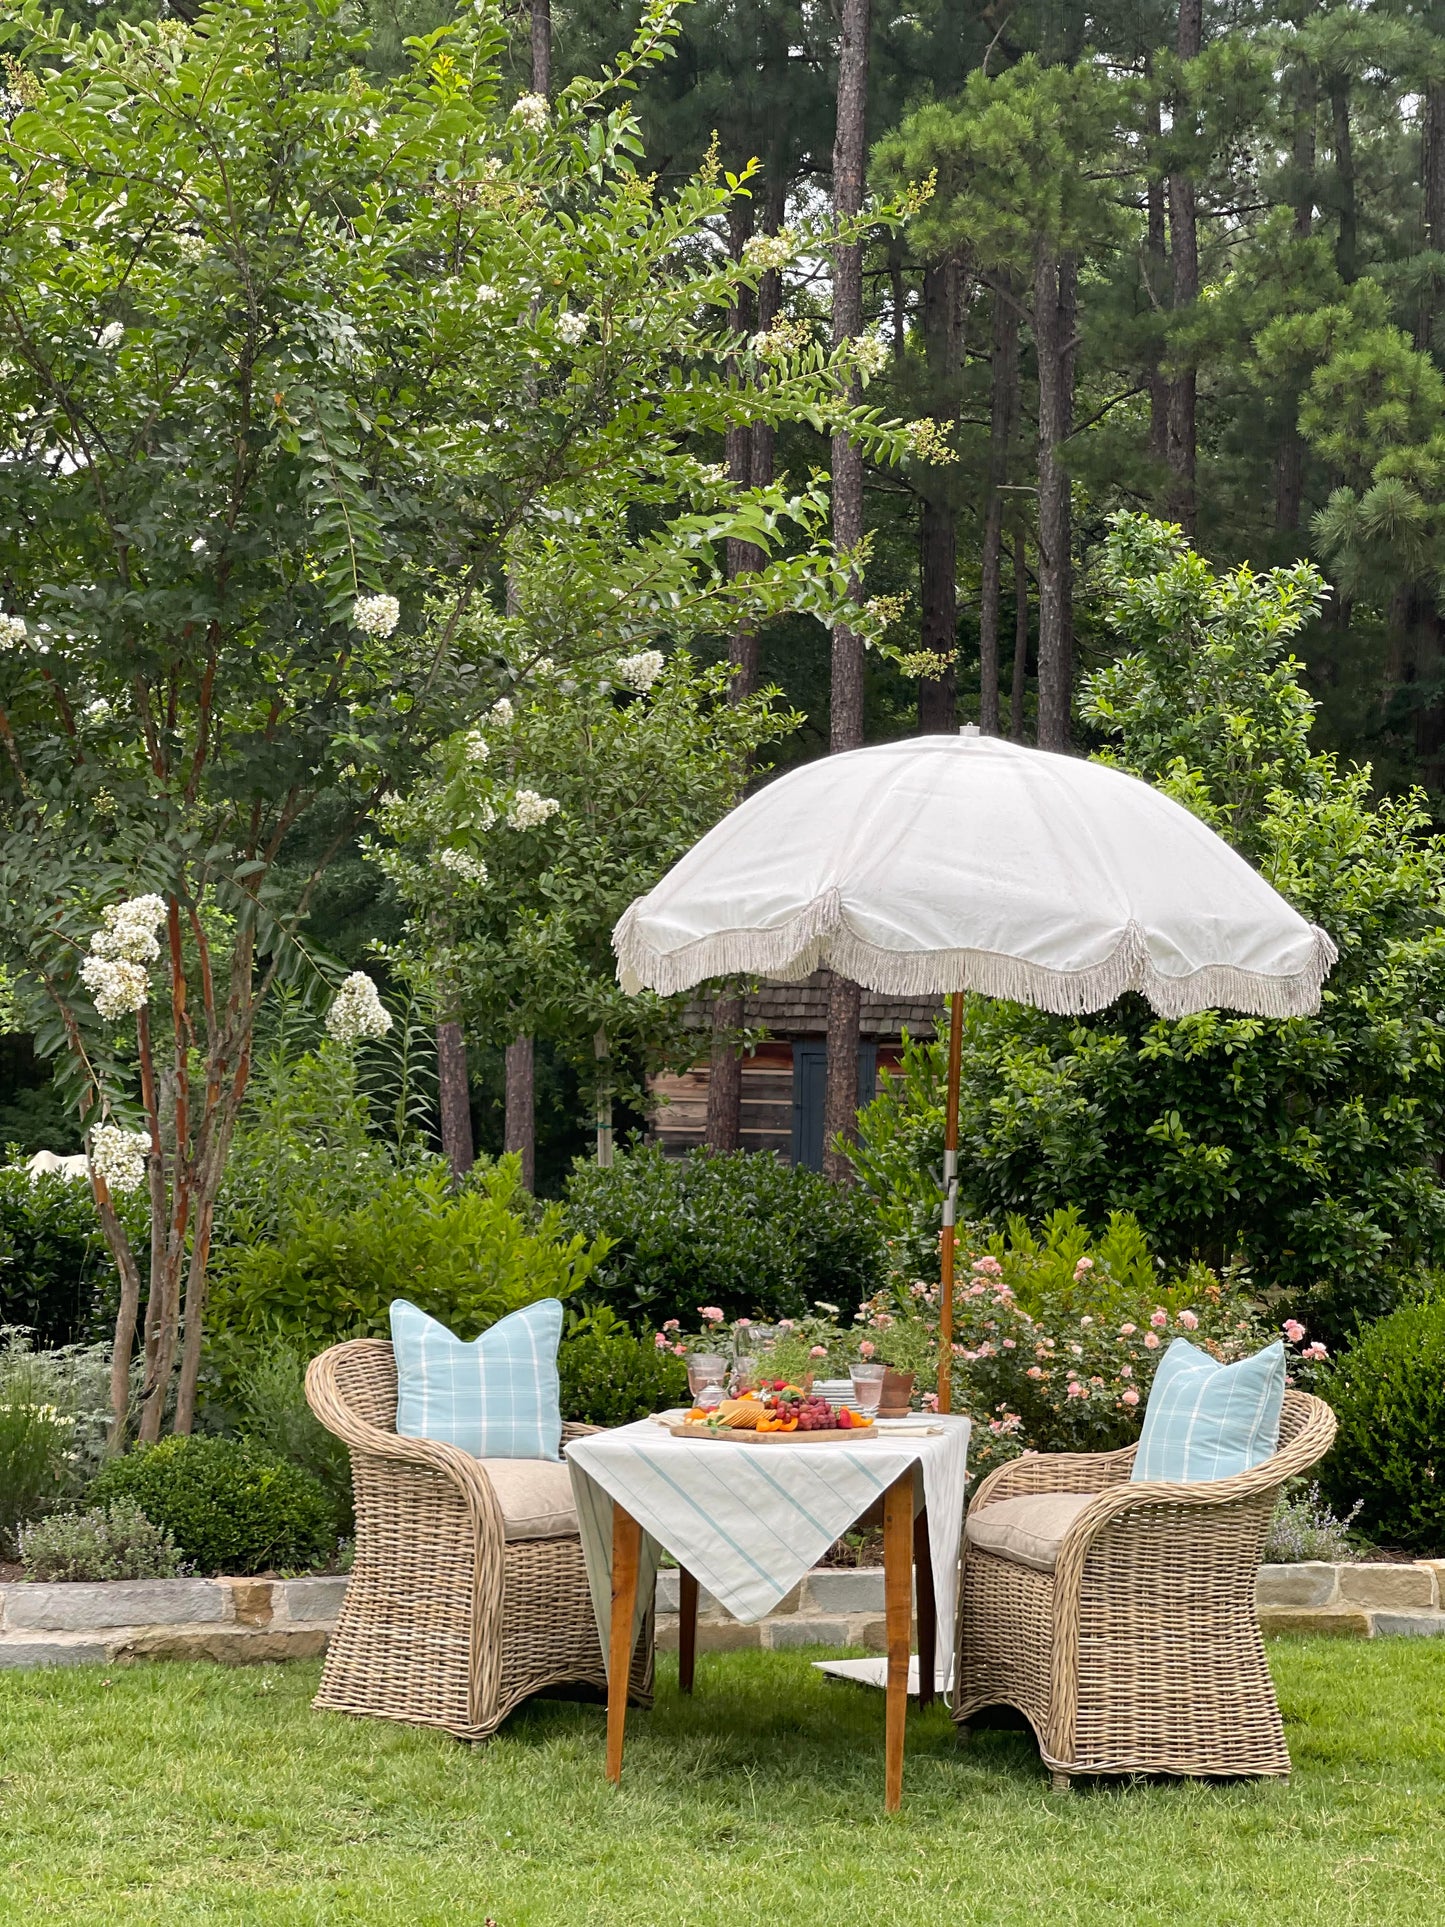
(705,1371)
(745,1374)
(867,1387)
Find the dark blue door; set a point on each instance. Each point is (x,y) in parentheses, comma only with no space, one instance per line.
(810,1080)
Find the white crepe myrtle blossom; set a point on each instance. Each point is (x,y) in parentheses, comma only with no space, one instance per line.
(12,632)
(789,335)
(929,441)
(530,111)
(870,355)
(486,295)
(111,336)
(572,326)
(376,615)
(641,671)
(470,869)
(765,252)
(192,248)
(128,930)
(118,1156)
(475,746)
(528,809)
(117,989)
(358,1011)
(501,710)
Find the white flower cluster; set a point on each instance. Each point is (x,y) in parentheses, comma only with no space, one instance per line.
(115,971)
(470,869)
(192,248)
(12,632)
(376,615)
(789,335)
(118,1156)
(762,252)
(641,671)
(111,336)
(870,355)
(528,809)
(929,441)
(572,327)
(486,295)
(358,1011)
(476,746)
(502,710)
(530,111)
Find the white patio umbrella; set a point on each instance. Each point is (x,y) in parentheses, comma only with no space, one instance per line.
(950,863)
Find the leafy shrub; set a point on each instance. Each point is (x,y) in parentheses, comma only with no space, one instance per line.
(53,1416)
(1304,1527)
(738,1230)
(116,1541)
(610,1377)
(57,1278)
(468,1257)
(1388,1394)
(230,1506)
(269,1398)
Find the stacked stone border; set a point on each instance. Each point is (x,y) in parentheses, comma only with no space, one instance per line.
(238,1621)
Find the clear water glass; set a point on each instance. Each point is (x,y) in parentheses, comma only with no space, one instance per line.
(867,1387)
(705,1370)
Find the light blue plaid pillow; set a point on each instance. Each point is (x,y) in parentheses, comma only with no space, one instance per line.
(1205,1420)
(497,1398)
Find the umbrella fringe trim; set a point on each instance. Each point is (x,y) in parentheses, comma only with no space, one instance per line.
(820,933)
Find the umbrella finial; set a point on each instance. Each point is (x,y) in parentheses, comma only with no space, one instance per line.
(968,729)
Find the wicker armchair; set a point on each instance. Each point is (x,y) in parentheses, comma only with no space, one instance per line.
(1141,1651)
(446,1622)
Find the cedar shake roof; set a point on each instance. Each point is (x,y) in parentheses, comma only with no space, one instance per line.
(801,1010)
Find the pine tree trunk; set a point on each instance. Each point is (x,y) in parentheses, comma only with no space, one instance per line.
(1019,700)
(725,1077)
(541,46)
(1432,184)
(454,1104)
(1347,242)
(519,1120)
(1184,253)
(1289,455)
(743,558)
(845,722)
(1156,269)
(1054,313)
(938,518)
(1003,412)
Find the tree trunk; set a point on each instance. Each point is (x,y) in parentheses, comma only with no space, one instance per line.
(1347,242)
(743,558)
(454,1104)
(938,519)
(725,1076)
(1156,269)
(1054,314)
(845,722)
(541,46)
(519,1124)
(126,1312)
(1003,411)
(1432,184)
(602,1051)
(1019,700)
(1184,252)
(1289,455)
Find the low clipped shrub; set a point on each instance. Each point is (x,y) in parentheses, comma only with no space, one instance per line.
(116,1541)
(268,1398)
(738,1230)
(610,1377)
(230,1505)
(1388,1393)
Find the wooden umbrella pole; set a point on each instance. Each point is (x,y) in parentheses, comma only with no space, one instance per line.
(950,1204)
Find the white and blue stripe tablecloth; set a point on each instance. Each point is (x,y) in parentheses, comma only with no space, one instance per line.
(748,1521)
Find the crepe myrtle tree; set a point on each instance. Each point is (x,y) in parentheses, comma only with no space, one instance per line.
(296,370)
(535,829)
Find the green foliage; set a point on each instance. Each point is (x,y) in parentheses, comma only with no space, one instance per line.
(1304,1148)
(467,1257)
(56,1271)
(116,1541)
(1304,1527)
(610,1377)
(230,1506)
(1388,1393)
(268,1392)
(52,1426)
(739,1230)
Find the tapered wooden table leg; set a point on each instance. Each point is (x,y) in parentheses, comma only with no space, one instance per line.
(626,1554)
(927,1608)
(686,1629)
(898,1620)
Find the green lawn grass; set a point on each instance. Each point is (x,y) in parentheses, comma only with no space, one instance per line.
(189,1793)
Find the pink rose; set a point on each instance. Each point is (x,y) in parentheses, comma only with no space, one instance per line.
(1126,1371)
(1127,1331)
(977,1289)
(1293,1330)
(867,1348)
(1130,1397)
(818,1351)
(679,1351)
(660,1341)
(1316,1351)
(990,1265)
(1077,1350)
(1076,1390)
(1010,1344)
(671,1324)
(1034,1371)
(1159,1319)
(1083,1266)
(785,1324)
(1085,1323)
(1151,1342)
(930,1401)
(1189,1320)
(711,1313)
(743,1323)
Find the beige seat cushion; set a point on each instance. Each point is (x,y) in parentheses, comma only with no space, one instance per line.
(535,1496)
(1028,1530)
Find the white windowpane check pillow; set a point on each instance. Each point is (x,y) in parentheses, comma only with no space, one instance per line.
(497,1398)
(1205,1420)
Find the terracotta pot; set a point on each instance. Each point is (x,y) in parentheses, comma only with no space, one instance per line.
(895,1400)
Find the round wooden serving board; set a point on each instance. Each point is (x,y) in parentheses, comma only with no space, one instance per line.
(730,1437)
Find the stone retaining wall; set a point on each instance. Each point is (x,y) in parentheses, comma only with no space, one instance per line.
(243,1620)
